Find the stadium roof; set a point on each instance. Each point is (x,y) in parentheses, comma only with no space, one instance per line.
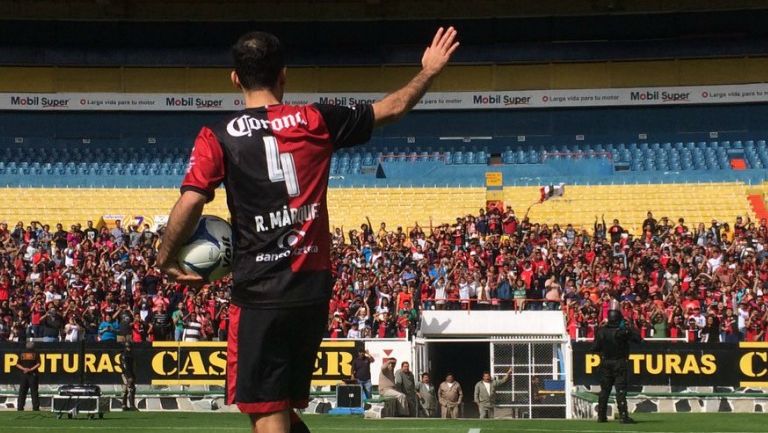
(335,10)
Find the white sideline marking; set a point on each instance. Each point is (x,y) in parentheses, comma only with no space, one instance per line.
(474,430)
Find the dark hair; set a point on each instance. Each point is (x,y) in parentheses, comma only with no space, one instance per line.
(258,59)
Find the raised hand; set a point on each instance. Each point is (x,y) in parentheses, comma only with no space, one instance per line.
(436,56)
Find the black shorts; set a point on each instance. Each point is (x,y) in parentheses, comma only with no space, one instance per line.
(271,355)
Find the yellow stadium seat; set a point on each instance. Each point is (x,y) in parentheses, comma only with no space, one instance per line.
(348,207)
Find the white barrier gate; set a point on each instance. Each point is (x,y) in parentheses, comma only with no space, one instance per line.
(533,343)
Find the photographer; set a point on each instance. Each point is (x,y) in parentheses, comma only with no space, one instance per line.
(124,318)
(52,324)
(361,371)
(108,328)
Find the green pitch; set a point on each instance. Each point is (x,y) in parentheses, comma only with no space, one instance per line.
(160,422)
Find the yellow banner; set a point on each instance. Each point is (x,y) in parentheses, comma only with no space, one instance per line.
(493,178)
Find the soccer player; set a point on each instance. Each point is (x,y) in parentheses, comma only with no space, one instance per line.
(274,161)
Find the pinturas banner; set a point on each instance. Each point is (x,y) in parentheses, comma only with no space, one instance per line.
(684,364)
(158,363)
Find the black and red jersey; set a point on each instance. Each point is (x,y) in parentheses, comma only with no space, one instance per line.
(274,162)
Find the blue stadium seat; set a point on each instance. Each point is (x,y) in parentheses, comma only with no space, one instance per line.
(508,157)
(482,157)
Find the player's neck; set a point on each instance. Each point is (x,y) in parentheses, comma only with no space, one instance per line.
(260,98)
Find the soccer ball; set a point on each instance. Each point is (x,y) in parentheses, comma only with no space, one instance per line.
(208,252)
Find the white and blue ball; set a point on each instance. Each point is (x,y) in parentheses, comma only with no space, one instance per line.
(208,252)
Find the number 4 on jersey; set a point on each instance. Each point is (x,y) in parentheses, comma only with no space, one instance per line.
(281,167)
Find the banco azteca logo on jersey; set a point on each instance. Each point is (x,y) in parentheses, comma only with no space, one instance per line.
(289,244)
(291,239)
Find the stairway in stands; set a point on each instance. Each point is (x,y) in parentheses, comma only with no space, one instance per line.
(758,204)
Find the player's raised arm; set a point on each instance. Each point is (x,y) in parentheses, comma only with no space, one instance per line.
(436,56)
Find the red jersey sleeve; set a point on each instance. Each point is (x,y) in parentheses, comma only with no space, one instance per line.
(205,171)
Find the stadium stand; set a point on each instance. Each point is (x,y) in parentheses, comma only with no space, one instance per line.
(664,207)
(20,161)
(670,277)
(405,206)
(694,164)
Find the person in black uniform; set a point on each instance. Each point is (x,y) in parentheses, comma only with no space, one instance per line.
(612,343)
(129,378)
(29,363)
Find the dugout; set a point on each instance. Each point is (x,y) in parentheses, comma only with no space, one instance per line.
(533,343)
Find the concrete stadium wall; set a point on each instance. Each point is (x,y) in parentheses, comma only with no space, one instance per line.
(682,72)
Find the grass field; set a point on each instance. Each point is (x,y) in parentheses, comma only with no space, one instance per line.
(157,422)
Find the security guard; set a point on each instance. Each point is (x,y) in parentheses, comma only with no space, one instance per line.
(129,378)
(29,364)
(612,343)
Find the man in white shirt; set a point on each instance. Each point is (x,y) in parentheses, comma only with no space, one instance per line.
(450,396)
(743,315)
(700,319)
(354,332)
(30,250)
(440,295)
(714,263)
(427,399)
(485,393)
(418,255)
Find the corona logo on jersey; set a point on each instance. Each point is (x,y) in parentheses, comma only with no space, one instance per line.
(245,124)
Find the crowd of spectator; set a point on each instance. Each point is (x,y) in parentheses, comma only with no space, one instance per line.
(704,283)
(98,284)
